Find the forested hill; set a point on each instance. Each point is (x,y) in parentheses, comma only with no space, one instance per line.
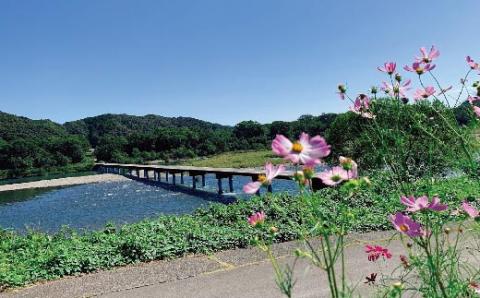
(14,127)
(95,128)
(28,146)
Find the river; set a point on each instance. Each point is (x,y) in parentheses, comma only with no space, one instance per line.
(91,206)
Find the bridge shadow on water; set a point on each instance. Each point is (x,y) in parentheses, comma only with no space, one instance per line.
(226,198)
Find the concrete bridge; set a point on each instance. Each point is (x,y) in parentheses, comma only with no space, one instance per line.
(175,174)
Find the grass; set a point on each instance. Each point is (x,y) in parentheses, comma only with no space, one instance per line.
(36,256)
(237,159)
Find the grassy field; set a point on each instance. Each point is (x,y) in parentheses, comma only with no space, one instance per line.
(238,159)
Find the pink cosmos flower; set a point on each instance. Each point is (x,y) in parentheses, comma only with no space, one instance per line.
(421,203)
(422,94)
(388,67)
(419,68)
(361,106)
(264,180)
(305,151)
(475,287)
(473,65)
(334,176)
(476,110)
(406,225)
(473,99)
(428,57)
(350,166)
(256,218)
(377,251)
(470,210)
(398,89)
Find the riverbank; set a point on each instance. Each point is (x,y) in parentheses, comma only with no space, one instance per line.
(68,181)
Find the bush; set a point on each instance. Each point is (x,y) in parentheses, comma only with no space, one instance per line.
(36,256)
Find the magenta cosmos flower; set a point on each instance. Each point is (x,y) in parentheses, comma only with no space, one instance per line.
(398,89)
(256,218)
(334,176)
(419,68)
(376,251)
(470,210)
(305,151)
(264,180)
(425,93)
(388,67)
(406,225)
(416,204)
(428,57)
(473,65)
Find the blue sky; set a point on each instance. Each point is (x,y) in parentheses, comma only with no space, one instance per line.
(217,60)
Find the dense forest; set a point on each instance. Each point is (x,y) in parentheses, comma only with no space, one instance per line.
(30,147)
(33,147)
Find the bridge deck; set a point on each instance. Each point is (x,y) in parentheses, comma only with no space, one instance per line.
(195,170)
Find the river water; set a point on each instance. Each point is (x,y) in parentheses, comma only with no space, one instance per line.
(91,206)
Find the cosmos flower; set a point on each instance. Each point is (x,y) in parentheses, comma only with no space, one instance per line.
(304,151)
(264,180)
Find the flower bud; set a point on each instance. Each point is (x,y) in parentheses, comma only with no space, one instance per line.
(398,285)
(373,90)
(342,88)
(273,229)
(447,230)
(409,244)
(404,100)
(308,172)
(398,78)
(475,84)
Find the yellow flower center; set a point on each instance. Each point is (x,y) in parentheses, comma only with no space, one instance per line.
(297,147)
(419,70)
(403,228)
(262,178)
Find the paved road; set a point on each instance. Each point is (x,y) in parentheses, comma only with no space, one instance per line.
(233,273)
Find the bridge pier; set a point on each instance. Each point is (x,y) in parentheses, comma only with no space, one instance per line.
(220,189)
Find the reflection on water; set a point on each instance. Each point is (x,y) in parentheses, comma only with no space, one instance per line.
(91,206)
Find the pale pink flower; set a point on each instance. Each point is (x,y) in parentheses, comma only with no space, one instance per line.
(376,251)
(305,151)
(473,65)
(264,180)
(476,110)
(473,99)
(470,210)
(406,225)
(256,218)
(388,67)
(416,204)
(398,89)
(350,166)
(361,106)
(428,57)
(425,93)
(334,176)
(419,68)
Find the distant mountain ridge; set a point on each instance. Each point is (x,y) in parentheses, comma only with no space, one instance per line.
(93,128)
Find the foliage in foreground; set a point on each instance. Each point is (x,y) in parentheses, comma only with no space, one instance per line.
(36,256)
